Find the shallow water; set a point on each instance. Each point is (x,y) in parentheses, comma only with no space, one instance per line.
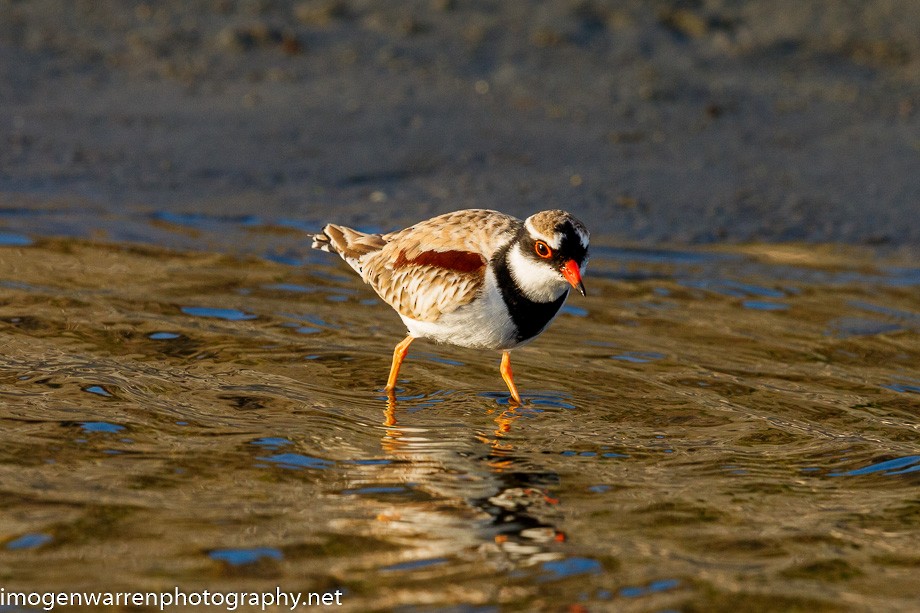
(709,430)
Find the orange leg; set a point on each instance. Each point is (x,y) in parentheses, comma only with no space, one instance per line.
(508,376)
(399,354)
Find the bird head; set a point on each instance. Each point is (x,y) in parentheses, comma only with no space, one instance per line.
(550,255)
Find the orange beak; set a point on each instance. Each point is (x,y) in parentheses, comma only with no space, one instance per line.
(572,274)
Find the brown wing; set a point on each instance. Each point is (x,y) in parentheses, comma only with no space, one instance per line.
(438,265)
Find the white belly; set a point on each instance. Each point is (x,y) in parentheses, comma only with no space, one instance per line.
(481,324)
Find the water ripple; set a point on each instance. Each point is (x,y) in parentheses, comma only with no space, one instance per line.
(896,466)
(652,444)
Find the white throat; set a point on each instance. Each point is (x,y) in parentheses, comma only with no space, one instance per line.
(539,282)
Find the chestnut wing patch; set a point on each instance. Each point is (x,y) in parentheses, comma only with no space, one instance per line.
(457,261)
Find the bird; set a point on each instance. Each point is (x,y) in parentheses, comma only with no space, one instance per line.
(473,278)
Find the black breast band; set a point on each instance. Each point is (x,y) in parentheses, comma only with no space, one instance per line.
(529,317)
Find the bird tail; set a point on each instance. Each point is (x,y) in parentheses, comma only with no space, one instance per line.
(350,244)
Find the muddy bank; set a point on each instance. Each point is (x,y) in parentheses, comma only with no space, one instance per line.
(654,121)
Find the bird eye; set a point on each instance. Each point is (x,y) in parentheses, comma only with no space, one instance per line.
(543,250)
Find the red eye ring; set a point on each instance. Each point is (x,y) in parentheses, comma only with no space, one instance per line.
(543,250)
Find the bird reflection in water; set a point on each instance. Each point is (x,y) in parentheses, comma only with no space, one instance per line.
(475,485)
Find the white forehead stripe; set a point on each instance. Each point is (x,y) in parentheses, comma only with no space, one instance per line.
(554,241)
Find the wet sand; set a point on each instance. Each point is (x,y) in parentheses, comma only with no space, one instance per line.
(653,121)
